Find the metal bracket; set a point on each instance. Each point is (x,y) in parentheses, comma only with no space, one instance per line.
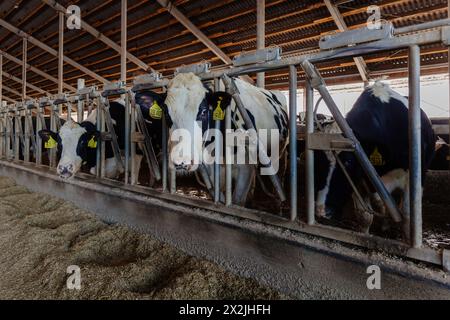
(196,68)
(60,99)
(115,88)
(312,74)
(258,56)
(445,35)
(148,82)
(329,142)
(357,36)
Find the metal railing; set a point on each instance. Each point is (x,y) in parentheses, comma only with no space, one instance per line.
(437,32)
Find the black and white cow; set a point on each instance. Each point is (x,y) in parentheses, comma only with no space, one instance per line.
(47,122)
(190,106)
(379,120)
(78,141)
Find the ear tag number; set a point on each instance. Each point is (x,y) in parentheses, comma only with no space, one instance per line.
(376,158)
(156,111)
(51,143)
(219,114)
(92,143)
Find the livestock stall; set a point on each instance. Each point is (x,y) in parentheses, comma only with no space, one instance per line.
(211,226)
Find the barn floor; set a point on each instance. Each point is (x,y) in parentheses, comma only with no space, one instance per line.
(40,236)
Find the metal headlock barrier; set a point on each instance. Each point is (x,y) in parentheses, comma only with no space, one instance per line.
(342,45)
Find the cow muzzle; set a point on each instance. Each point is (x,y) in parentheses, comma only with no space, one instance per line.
(65,172)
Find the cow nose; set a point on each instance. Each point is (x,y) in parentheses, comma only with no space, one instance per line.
(184,165)
(65,171)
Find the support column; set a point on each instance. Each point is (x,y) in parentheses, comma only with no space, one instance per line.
(415,158)
(61,53)
(260,35)
(308,96)
(24,69)
(293,139)
(123,53)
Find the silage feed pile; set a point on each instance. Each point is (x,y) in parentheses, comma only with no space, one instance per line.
(40,236)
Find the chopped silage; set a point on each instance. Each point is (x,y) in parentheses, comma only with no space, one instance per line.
(40,236)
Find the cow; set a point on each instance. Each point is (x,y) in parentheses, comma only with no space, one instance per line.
(43,146)
(191,106)
(79,141)
(379,120)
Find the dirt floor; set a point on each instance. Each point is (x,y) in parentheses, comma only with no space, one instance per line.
(40,236)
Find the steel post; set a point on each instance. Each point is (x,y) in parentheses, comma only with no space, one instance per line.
(218,152)
(318,84)
(309,154)
(415,157)
(293,139)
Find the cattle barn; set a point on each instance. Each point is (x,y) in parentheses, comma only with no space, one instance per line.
(218,129)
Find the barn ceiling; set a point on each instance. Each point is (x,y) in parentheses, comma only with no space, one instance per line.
(163,43)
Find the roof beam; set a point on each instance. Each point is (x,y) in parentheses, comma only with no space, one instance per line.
(342,26)
(29,85)
(177,14)
(100,36)
(35,70)
(15,92)
(50,50)
(8,99)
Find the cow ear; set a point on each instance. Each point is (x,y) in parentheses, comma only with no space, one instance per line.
(92,139)
(219,98)
(49,138)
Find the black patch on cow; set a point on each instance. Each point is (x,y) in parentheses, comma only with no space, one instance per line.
(383,126)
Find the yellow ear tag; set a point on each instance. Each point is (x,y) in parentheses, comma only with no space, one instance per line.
(92,143)
(218,114)
(156,111)
(51,143)
(376,158)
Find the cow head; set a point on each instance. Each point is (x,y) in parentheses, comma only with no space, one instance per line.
(185,97)
(78,144)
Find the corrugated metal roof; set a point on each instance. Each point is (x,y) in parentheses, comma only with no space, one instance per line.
(162,42)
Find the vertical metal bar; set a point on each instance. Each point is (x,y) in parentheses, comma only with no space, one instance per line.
(293,139)
(133,144)
(61,52)
(123,51)
(415,161)
(80,106)
(309,154)
(318,83)
(127,136)
(100,144)
(27,129)
(260,35)
(218,152)
(17,133)
(24,68)
(228,160)
(164,154)
(38,138)
(173,180)
(26,144)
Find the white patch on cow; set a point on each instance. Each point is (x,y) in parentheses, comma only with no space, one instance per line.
(384,92)
(322,194)
(70,162)
(185,93)
(92,118)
